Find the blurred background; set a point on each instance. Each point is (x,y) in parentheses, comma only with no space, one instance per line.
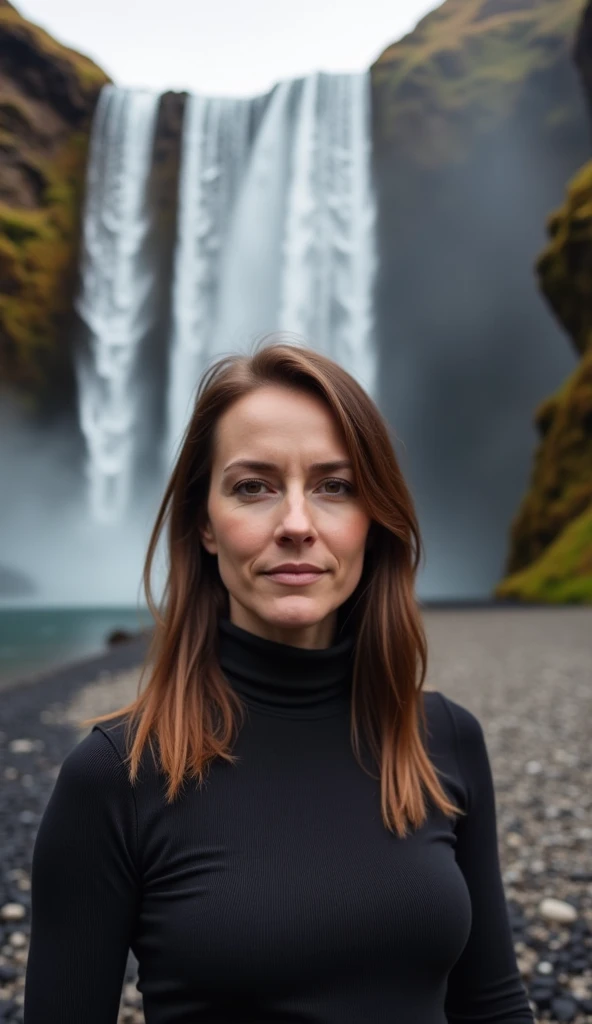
(407,190)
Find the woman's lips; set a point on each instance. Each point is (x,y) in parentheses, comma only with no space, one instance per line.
(297,579)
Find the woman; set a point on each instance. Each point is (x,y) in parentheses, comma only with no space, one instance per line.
(321,871)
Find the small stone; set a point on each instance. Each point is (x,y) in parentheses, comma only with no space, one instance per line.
(578,965)
(533,767)
(541,996)
(544,967)
(17,940)
(21,746)
(563,1008)
(12,912)
(557,910)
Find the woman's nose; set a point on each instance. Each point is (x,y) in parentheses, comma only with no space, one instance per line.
(296,514)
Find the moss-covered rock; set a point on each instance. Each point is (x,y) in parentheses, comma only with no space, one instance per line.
(551,538)
(561,484)
(47,96)
(565,266)
(563,574)
(463,69)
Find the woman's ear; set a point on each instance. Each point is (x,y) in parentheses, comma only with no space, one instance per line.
(207,538)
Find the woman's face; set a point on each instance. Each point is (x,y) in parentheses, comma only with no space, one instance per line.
(261,517)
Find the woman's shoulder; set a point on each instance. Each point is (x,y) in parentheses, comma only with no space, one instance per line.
(451,723)
(97,761)
(442,709)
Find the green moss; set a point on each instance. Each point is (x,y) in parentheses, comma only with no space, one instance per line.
(38,246)
(564,268)
(465,71)
(41,245)
(90,76)
(18,228)
(563,572)
(560,493)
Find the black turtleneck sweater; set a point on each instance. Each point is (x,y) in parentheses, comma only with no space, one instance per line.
(275,893)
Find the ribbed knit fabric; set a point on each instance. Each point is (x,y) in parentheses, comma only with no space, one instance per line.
(274,893)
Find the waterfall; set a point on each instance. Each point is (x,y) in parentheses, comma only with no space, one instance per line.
(215,145)
(329,245)
(275,231)
(115,292)
(286,244)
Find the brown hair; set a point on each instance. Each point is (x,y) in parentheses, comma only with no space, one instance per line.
(188,705)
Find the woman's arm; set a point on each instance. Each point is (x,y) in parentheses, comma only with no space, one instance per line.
(485,983)
(85,890)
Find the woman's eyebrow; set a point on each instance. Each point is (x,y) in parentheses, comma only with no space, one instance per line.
(258,465)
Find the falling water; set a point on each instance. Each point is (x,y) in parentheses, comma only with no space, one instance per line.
(329,248)
(114,299)
(276,231)
(216,139)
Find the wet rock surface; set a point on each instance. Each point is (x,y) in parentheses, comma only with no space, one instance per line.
(525,673)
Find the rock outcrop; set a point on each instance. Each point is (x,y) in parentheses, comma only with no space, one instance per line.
(551,537)
(479,120)
(466,68)
(550,555)
(47,96)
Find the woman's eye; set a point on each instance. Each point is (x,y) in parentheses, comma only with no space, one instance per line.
(260,483)
(246,483)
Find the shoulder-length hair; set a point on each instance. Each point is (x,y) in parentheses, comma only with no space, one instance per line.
(188,705)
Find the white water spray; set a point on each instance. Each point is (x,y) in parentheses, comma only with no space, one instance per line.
(116,286)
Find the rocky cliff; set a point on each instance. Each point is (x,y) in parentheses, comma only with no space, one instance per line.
(551,538)
(479,120)
(467,67)
(47,95)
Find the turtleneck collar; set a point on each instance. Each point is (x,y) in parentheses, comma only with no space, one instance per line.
(280,679)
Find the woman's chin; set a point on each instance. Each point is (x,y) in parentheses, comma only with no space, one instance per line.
(295,610)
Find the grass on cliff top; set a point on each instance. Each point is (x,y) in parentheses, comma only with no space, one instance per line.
(90,75)
(479,28)
(473,54)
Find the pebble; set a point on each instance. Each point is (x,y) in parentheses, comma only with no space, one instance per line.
(524,673)
(12,912)
(21,746)
(557,910)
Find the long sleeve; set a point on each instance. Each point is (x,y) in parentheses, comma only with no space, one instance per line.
(485,983)
(85,890)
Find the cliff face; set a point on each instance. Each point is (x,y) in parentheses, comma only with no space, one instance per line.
(479,120)
(551,539)
(47,95)
(467,68)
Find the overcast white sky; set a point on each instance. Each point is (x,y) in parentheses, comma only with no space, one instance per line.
(225,47)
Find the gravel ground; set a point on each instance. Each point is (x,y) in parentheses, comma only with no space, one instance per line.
(525,673)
